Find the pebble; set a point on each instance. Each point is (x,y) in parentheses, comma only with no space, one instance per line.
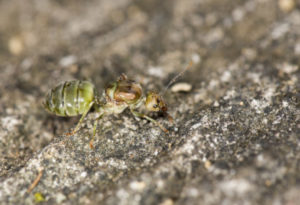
(286,5)
(15,45)
(181,87)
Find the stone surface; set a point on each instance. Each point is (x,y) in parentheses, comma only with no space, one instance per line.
(235,137)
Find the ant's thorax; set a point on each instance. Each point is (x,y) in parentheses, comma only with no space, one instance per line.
(120,95)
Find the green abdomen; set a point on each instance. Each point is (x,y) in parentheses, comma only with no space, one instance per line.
(70,98)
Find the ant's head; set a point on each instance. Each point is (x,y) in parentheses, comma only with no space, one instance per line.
(155,102)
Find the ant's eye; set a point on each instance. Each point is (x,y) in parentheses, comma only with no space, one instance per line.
(155,106)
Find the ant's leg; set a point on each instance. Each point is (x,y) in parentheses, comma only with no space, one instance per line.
(94,131)
(80,121)
(138,114)
(170,118)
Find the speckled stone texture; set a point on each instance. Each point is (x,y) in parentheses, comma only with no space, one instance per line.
(235,137)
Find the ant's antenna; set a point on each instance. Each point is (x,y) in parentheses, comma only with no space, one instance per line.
(177,76)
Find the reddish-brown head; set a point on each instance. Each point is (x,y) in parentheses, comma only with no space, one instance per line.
(155,102)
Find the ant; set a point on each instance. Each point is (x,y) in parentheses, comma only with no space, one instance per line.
(76,97)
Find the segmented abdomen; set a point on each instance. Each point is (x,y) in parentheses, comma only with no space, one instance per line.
(70,98)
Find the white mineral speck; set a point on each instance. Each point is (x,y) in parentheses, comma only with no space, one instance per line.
(10,122)
(236,187)
(216,104)
(137,186)
(280,31)
(212,84)
(195,126)
(67,61)
(60,198)
(258,105)
(255,77)
(254,103)
(238,14)
(285,103)
(160,184)
(289,68)
(196,58)
(83,174)
(214,35)
(188,148)
(122,194)
(265,121)
(269,93)
(193,192)
(156,71)
(226,76)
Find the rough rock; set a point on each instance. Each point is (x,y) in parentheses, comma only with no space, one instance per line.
(235,136)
